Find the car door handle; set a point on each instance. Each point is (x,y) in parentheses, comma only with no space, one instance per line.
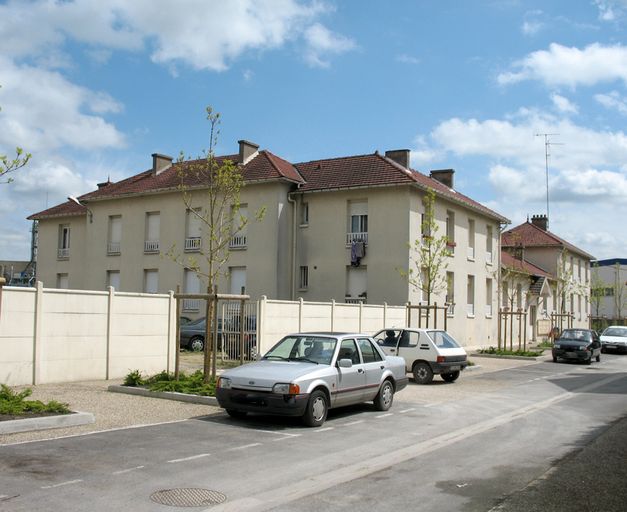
(360,370)
(392,350)
(383,367)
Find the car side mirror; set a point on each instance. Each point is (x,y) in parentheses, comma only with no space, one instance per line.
(345,363)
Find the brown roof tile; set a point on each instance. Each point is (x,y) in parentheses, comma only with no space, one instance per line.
(510,262)
(530,235)
(66,209)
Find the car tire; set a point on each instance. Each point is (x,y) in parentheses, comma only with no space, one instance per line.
(598,358)
(554,359)
(603,350)
(317,409)
(385,396)
(589,360)
(450,377)
(423,374)
(196,344)
(234,413)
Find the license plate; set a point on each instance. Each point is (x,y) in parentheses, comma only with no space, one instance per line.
(454,368)
(610,346)
(571,354)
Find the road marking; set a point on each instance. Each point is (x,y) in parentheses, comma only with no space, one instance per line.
(193,457)
(286,434)
(406,410)
(385,415)
(323,429)
(123,471)
(316,484)
(69,482)
(244,447)
(351,423)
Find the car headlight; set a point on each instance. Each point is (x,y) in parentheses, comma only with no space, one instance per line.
(224,383)
(284,388)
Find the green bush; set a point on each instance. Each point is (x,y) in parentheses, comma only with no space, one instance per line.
(503,352)
(192,384)
(15,403)
(133,379)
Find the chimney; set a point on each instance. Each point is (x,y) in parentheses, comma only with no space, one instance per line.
(400,156)
(104,183)
(160,163)
(247,151)
(541,221)
(444,176)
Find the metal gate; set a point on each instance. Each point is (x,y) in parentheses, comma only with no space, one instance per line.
(231,331)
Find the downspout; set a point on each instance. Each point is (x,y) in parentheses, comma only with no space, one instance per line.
(292,201)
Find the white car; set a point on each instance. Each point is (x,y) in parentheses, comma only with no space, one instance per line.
(614,338)
(427,352)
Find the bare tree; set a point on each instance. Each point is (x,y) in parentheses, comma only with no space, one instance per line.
(597,289)
(9,165)
(210,189)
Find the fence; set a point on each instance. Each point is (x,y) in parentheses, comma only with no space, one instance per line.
(428,315)
(51,335)
(512,325)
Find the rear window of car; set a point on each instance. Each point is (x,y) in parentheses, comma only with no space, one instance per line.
(442,339)
(615,331)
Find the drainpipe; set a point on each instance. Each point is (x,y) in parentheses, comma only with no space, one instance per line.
(292,201)
(3,281)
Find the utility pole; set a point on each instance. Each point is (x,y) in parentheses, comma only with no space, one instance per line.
(547,154)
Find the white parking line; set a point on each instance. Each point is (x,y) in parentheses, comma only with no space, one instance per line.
(406,410)
(351,423)
(244,447)
(69,482)
(385,415)
(286,434)
(123,471)
(323,429)
(184,459)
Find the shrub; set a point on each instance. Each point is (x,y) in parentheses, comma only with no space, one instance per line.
(504,352)
(133,378)
(15,403)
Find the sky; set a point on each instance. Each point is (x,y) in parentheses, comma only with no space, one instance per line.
(93,88)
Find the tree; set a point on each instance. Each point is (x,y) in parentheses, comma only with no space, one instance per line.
(565,284)
(429,255)
(9,165)
(597,289)
(619,289)
(220,180)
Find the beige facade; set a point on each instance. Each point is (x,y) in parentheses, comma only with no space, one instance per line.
(301,248)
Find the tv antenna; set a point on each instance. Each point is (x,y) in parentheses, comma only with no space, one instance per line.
(547,154)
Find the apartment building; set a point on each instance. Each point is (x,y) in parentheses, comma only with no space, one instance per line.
(334,229)
(550,275)
(610,280)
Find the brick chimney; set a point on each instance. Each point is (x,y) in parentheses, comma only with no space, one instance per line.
(247,151)
(444,176)
(160,163)
(400,156)
(541,221)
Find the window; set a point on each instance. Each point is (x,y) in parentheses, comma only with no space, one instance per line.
(425,227)
(63,251)
(356,282)
(115,235)
(151,281)
(304,214)
(368,352)
(357,222)
(424,283)
(237,280)
(240,220)
(450,293)
(488,297)
(488,245)
(579,306)
(450,230)
(151,242)
(113,279)
(505,296)
(193,230)
(471,239)
(304,278)
(579,269)
(192,285)
(348,350)
(519,299)
(63,281)
(470,296)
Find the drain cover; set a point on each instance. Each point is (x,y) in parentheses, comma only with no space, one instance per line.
(189,497)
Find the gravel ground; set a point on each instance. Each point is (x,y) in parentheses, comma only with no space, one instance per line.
(115,410)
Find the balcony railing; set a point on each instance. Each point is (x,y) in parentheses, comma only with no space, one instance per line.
(450,309)
(488,310)
(113,248)
(193,244)
(191,304)
(237,242)
(356,237)
(470,253)
(63,253)
(470,309)
(151,246)
(355,300)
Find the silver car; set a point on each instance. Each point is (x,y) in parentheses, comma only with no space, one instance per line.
(306,374)
(614,338)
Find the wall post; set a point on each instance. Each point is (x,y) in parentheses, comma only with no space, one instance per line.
(111,291)
(3,281)
(332,314)
(300,314)
(39,294)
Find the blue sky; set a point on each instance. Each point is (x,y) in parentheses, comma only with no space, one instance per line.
(92,88)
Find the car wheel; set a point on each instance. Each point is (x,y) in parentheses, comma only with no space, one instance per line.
(234,413)
(589,360)
(385,397)
(599,358)
(603,350)
(317,408)
(450,377)
(422,373)
(197,344)
(554,359)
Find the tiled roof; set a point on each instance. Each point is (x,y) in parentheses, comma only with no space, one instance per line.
(66,209)
(510,262)
(530,235)
(320,175)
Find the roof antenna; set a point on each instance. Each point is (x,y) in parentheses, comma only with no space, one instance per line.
(547,154)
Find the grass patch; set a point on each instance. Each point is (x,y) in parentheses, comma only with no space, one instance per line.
(545,344)
(503,352)
(191,384)
(15,404)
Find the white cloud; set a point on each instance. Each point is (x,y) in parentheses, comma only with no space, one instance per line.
(321,42)
(611,10)
(563,104)
(407,59)
(531,28)
(613,100)
(568,66)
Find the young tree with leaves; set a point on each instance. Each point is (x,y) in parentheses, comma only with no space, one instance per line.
(219,216)
(9,165)
(597,289)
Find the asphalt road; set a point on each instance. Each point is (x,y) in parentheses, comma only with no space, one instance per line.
(542,438)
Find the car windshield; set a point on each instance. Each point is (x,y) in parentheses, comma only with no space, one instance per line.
(442,339)
(312,349)
(193,323)
(575,335)
(615,331)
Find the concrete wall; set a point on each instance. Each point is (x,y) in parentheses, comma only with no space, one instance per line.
(50,335)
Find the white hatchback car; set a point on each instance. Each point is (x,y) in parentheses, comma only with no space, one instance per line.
(427,352)
(614,338)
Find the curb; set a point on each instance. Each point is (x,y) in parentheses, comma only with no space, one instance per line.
(166,395)
(46,422)
(520,358)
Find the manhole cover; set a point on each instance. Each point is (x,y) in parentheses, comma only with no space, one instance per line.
(189,497)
